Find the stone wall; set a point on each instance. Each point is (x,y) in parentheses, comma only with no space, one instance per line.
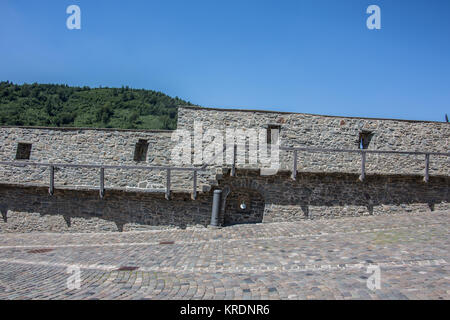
(234,213)
(269,199)
(90,146)
(327,185)
(315,195)
(34,210)
(305,130)
(116,147)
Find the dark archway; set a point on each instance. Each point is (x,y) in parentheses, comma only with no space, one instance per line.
(244,205)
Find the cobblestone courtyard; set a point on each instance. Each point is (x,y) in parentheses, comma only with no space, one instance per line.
(321,259)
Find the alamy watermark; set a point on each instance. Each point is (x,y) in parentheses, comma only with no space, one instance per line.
(374,20)
(374,280)
(74,280)
(214,146)
(74,20)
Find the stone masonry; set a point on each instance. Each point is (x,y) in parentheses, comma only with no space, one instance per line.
(322,195)
(327,185)
(33,209)
(328,132)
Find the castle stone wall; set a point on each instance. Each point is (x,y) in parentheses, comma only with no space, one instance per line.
(327,185)
(270,199)
(34,210)
(314,131)
(315,195)
(89,146)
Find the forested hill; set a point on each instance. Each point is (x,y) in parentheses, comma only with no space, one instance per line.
(63,106)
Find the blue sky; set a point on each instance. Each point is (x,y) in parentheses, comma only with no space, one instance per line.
(313,56)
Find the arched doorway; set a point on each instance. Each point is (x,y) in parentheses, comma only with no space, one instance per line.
(244,205)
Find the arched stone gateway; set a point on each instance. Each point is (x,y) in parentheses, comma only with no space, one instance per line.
(243,205)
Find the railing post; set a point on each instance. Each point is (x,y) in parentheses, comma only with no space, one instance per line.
(427,168)
(363,166)
(233,167)
(194,192)
(294,167)
(102,182)
(168,184)
(51,189)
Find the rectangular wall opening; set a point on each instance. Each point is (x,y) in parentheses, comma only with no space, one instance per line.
(140,151)
(364,139)
(23,151)
(270,128)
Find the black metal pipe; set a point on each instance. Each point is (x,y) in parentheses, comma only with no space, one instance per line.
(194,191)
(216,208)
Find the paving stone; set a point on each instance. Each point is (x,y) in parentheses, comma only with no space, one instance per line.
(325,259)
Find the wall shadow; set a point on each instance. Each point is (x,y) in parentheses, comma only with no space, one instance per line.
(118,207)
(253,211)
(327,191)
(310,194)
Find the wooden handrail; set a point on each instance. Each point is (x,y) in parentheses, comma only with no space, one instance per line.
(316,150)
(363,153)
(98,166)
(102,168)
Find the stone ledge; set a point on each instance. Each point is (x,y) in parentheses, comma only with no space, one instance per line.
(301,113)
(92,188)
(87,128)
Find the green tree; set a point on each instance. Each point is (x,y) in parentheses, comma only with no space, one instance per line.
(61,105)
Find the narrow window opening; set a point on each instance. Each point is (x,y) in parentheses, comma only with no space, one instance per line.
(270,128)
(140,151)
(364,139)
(23,151)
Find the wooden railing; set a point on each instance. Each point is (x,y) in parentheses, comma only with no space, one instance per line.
(103,167)
(195,170)
(363,153)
